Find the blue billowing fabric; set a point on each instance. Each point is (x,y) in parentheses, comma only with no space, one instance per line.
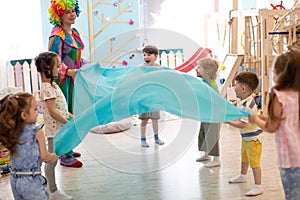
(103,95)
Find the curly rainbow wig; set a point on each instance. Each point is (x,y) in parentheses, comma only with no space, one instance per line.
(58,7)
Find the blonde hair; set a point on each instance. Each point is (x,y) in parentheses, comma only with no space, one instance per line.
(210,67)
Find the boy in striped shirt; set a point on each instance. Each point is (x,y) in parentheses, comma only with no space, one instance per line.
(245,84)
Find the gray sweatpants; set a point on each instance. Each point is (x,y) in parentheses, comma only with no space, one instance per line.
(208,139)
(50,169)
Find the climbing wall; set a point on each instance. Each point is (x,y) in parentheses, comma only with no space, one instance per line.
(227,71)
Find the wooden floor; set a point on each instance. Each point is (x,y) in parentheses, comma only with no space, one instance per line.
(116,167)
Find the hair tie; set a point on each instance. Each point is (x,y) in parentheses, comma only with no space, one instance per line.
(289,50)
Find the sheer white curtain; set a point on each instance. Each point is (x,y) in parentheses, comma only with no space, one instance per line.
(184,17)
(21,32)
(3,80)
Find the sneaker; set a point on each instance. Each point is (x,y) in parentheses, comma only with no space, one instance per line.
(144,143)
(159,141)
(59,195)
(213,163)
(255,190)
(70,161)
(238,179)
(203,158)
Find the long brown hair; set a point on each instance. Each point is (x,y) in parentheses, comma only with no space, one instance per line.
(45,63)
(287,69)
(11,122)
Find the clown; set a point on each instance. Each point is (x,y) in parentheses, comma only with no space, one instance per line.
(66,42)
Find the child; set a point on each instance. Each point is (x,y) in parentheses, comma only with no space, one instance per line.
(27,146)
(245,84)
(4,160)
(55,113)
(150,55)
(284,119)
(209,133)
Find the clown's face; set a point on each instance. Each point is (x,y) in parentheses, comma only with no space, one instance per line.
(68,17)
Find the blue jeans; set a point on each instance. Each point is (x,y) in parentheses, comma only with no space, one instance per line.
(33,187)
(290,178)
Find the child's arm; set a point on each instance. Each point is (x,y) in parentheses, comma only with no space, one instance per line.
(54,113)
(266,123)
(238,123)
(46,156)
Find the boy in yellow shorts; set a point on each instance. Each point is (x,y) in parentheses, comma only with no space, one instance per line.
(4,160)
(245,84)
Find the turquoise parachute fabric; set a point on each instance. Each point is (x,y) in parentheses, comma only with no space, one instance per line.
(103,95)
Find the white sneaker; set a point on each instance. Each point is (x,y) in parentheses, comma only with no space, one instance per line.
(203,158)
(59,195)
(144,143)
(255,190)
(238,179)
(213,163)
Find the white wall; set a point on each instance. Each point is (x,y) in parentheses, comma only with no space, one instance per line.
(183,17)
(21,32)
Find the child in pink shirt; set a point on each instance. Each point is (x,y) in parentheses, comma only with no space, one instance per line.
(284,119)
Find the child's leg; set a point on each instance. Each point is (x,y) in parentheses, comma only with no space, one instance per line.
(257,175)
(50,169)
(144,123)
(245,156)
(155,126)
(242,177)
(50,175)
(256,189)
(155,130)
(37,189)
(254,153)
(212,138)
(202,144)
(215,162)
(244,166)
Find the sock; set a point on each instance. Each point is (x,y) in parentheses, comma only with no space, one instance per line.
(243,176)
(216,158)
(258,185)
(156,136)
(70,153)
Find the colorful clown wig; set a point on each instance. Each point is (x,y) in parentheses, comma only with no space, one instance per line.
(58,7)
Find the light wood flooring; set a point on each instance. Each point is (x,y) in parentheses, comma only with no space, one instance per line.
(116,167)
